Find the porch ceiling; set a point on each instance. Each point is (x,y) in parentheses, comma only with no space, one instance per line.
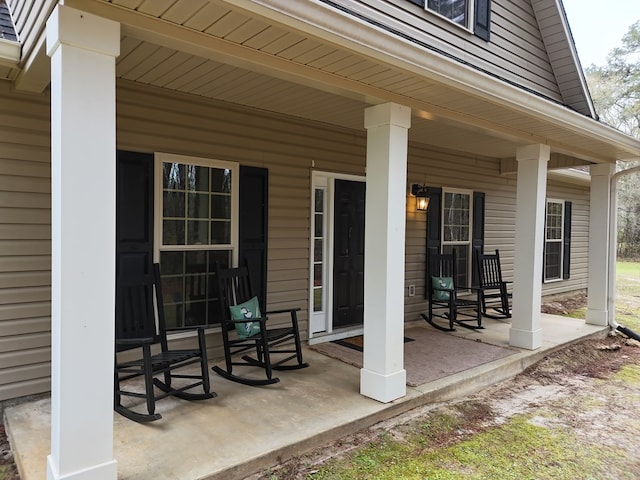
(217,50)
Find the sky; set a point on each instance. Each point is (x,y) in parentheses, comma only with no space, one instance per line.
(598,26)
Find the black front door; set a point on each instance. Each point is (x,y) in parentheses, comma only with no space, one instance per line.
(348,267)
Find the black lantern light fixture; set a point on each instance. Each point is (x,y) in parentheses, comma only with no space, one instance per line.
(422,199)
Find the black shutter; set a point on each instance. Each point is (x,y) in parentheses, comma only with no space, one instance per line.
(566,241)
(482,20)
(477,235)
(434,226)
(254,195)
(134,221)
(420,3)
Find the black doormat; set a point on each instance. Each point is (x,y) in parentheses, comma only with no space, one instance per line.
(356,342)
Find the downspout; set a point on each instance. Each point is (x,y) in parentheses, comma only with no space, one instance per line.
(613,247)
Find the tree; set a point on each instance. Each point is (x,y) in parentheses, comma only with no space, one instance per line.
(615,89)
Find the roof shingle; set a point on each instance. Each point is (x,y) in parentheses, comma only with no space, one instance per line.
(7,29)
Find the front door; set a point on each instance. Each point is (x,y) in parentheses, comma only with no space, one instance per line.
(348,266)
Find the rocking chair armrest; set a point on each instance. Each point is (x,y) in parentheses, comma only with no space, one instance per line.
(125,342)
(248,320)
(186,328)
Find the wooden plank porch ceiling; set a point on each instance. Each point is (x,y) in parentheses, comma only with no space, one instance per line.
(215,50)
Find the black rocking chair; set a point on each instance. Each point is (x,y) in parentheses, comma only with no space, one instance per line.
(244,330)
(136,330)
(445,299)
(494,292)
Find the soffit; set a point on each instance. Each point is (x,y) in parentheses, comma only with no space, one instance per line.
(220,51)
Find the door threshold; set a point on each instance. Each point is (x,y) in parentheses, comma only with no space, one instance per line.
(345,332)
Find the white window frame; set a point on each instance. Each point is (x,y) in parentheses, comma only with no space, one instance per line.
(158,246)
(560,241)
(469,241)
(470,15)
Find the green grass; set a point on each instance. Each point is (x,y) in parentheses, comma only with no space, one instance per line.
(517,449)
(628,294)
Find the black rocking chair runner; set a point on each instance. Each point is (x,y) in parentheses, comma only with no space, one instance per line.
(494,292)
(136,329)
(445,299)
(244,330)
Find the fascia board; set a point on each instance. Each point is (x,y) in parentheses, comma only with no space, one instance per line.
(9,52)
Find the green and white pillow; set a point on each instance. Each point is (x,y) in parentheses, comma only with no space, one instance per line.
(441,283)
(247,310)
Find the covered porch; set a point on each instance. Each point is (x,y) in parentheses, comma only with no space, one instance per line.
(247,429)
(373,107)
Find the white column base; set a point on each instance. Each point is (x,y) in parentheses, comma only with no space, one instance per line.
(104,471)
(383,388)
(597,317)
(529,339)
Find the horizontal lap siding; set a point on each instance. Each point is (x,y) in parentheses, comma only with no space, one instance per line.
(515,52)
(25,244)
(442,168)
(579,196)
(154,120)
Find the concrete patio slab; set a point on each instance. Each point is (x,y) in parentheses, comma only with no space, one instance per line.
(246,429)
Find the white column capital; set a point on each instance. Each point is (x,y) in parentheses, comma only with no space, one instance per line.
(75,28)
(600,169)
(536,151)
(387,114)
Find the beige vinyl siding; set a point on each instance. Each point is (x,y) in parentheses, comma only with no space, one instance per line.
(579,196)
(515,52)
(25,244)
(443,168)
(155,120)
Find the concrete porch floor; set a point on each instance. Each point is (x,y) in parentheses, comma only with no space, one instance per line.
(247,429)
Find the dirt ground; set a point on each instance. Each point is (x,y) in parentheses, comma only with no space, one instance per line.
(577,388)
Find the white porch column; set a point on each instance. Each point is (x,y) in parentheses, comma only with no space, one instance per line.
(599,212)
(527,266)
(82,48)
(383,377)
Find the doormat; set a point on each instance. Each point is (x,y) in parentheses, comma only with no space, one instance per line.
(356,342)
(430,356)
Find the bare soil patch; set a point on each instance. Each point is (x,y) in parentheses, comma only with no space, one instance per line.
(590,389)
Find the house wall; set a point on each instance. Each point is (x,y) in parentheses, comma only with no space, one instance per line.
(151,119)
(25,244)
(515,52)
(443,168)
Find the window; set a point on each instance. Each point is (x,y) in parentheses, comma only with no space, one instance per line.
(455,10)
(197,201)
(474,15)
(456,231)
(553,240)
(319,240)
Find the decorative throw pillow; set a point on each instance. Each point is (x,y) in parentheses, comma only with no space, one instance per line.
(440,284)
(247,310)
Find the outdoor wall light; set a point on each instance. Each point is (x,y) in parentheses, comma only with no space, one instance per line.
(422,200)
